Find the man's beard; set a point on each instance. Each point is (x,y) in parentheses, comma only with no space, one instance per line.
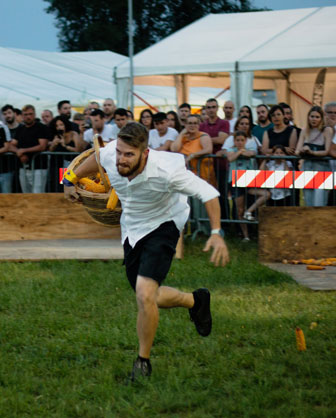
(131,170)
(262,120)
(10,120)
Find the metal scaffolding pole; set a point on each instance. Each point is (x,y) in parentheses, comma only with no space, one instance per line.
(131,49)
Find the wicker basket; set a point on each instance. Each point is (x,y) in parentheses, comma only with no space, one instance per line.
(95,203)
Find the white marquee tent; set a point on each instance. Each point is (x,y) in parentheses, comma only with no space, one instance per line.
(43,78)
(271,50)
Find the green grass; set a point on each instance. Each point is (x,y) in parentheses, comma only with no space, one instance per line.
(68,340)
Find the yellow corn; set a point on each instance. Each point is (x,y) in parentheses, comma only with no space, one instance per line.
(300,339)
(91,185)
(112,201)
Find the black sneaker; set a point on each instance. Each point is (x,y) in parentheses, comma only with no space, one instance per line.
(141,368)
(202,316)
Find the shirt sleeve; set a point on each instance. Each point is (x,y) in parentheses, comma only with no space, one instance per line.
(228,143)
(7,131)
(87,137)
(186,182)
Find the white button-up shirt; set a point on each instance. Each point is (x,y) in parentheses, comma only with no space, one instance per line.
(158,194)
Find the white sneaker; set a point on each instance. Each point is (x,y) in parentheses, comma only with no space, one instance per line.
(246,239)
(248,216)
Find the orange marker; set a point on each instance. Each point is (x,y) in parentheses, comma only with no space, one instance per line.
(300,339)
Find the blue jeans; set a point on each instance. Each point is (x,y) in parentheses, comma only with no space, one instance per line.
(6,182)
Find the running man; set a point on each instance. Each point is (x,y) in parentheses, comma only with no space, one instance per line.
(153,187)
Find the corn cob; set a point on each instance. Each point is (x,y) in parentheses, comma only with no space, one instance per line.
(315,267)
(112,201)
(91,185)
(300,339)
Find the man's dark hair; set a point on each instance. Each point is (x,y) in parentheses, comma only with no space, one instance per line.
(17,111)
(159,117)
(121,112)
(285,106)
(7,107)
(263,105)
(97,112)
(185,105)
(95,103)
(212,99)
(135,135)
(61,103)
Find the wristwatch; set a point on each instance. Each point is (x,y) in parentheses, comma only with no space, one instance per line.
(216,231)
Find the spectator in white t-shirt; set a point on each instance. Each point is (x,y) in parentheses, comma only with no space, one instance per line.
(97,118)
(120,120)
(161,137)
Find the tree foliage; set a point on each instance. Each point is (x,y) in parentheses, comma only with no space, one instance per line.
(91,25)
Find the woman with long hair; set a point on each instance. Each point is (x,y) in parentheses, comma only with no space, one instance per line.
(314,142)
(174,121)
(279,134)
(146,119)
(64,138)
(64,141)
(246,111)
(243,124)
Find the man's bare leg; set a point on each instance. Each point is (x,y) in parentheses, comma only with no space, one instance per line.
(149,298)
(168,297)
(148,313)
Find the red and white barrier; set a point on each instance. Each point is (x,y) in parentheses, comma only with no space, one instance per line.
(61,172)
(278,179)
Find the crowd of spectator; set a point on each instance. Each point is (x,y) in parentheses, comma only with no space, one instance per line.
(33,148)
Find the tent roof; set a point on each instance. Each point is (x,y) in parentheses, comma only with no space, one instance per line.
(256,40)
(33,76)
(44,78)
(309,43)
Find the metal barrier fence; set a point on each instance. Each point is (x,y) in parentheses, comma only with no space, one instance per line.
(212,168)
(233,197)
(39,175)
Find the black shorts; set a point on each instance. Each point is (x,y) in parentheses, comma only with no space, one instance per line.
(152,255)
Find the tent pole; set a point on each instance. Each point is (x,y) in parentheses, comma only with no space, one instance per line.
(131,50)
(237,98)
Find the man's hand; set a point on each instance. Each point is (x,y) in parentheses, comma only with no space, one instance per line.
(220,253)
(71,194)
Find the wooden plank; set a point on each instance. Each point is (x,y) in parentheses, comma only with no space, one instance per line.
(63,249)
(314,279)
(296,232)
(47,216)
